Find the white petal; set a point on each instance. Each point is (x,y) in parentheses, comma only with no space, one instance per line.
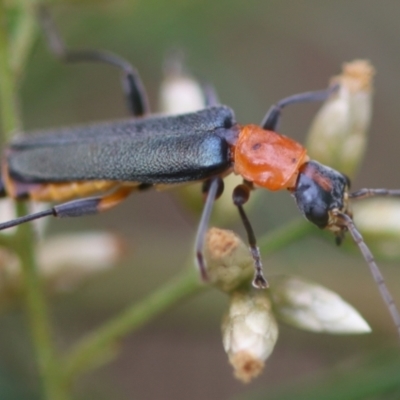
(309,306)
(66,260)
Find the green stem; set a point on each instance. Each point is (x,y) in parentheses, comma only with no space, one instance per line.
(23,39)
(8,101)
(38,316)
(23,239)
(284,235)
(95,345)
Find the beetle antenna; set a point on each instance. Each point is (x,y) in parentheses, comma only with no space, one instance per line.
(365,193)
(271,119)
(26,218)
(376,273)
(135,92)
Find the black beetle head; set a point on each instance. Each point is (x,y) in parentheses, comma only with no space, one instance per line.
(320,189)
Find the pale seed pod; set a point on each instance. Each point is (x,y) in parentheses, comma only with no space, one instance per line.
(338,133)
(65,261)
(309,306)
(249,332)
(179,92)
(229,262)
(379,222)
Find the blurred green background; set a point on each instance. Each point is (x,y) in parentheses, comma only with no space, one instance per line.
(255,53)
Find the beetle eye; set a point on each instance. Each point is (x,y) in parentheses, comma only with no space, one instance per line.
(312,200)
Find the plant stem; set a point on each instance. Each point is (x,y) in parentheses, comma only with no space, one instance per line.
(93,346)
(23,239)
(23,39)
(8,102)
(284,235)
(38,316)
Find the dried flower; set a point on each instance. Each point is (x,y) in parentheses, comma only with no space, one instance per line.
(229,262)
(249,333)
(338,134)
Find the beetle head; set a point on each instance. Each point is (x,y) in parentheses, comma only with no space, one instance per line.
(320,193)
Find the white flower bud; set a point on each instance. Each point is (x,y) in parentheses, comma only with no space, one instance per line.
(338,134)
(67,260)
(229,262)
(64,261)
(179,92)
(379,222)
(180,95)
(249,333)
(312,307)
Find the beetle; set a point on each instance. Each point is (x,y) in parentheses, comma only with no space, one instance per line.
(120,157)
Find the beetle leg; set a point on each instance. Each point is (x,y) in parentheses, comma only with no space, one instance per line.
(212,188)
(240,195)
(132,84)
(271,119)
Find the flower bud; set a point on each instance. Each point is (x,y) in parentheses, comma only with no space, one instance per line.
(229,262)
(64,261)
(312,307)
(249,332)
(67,260)
(338,133)
(378,220)
(179,92)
